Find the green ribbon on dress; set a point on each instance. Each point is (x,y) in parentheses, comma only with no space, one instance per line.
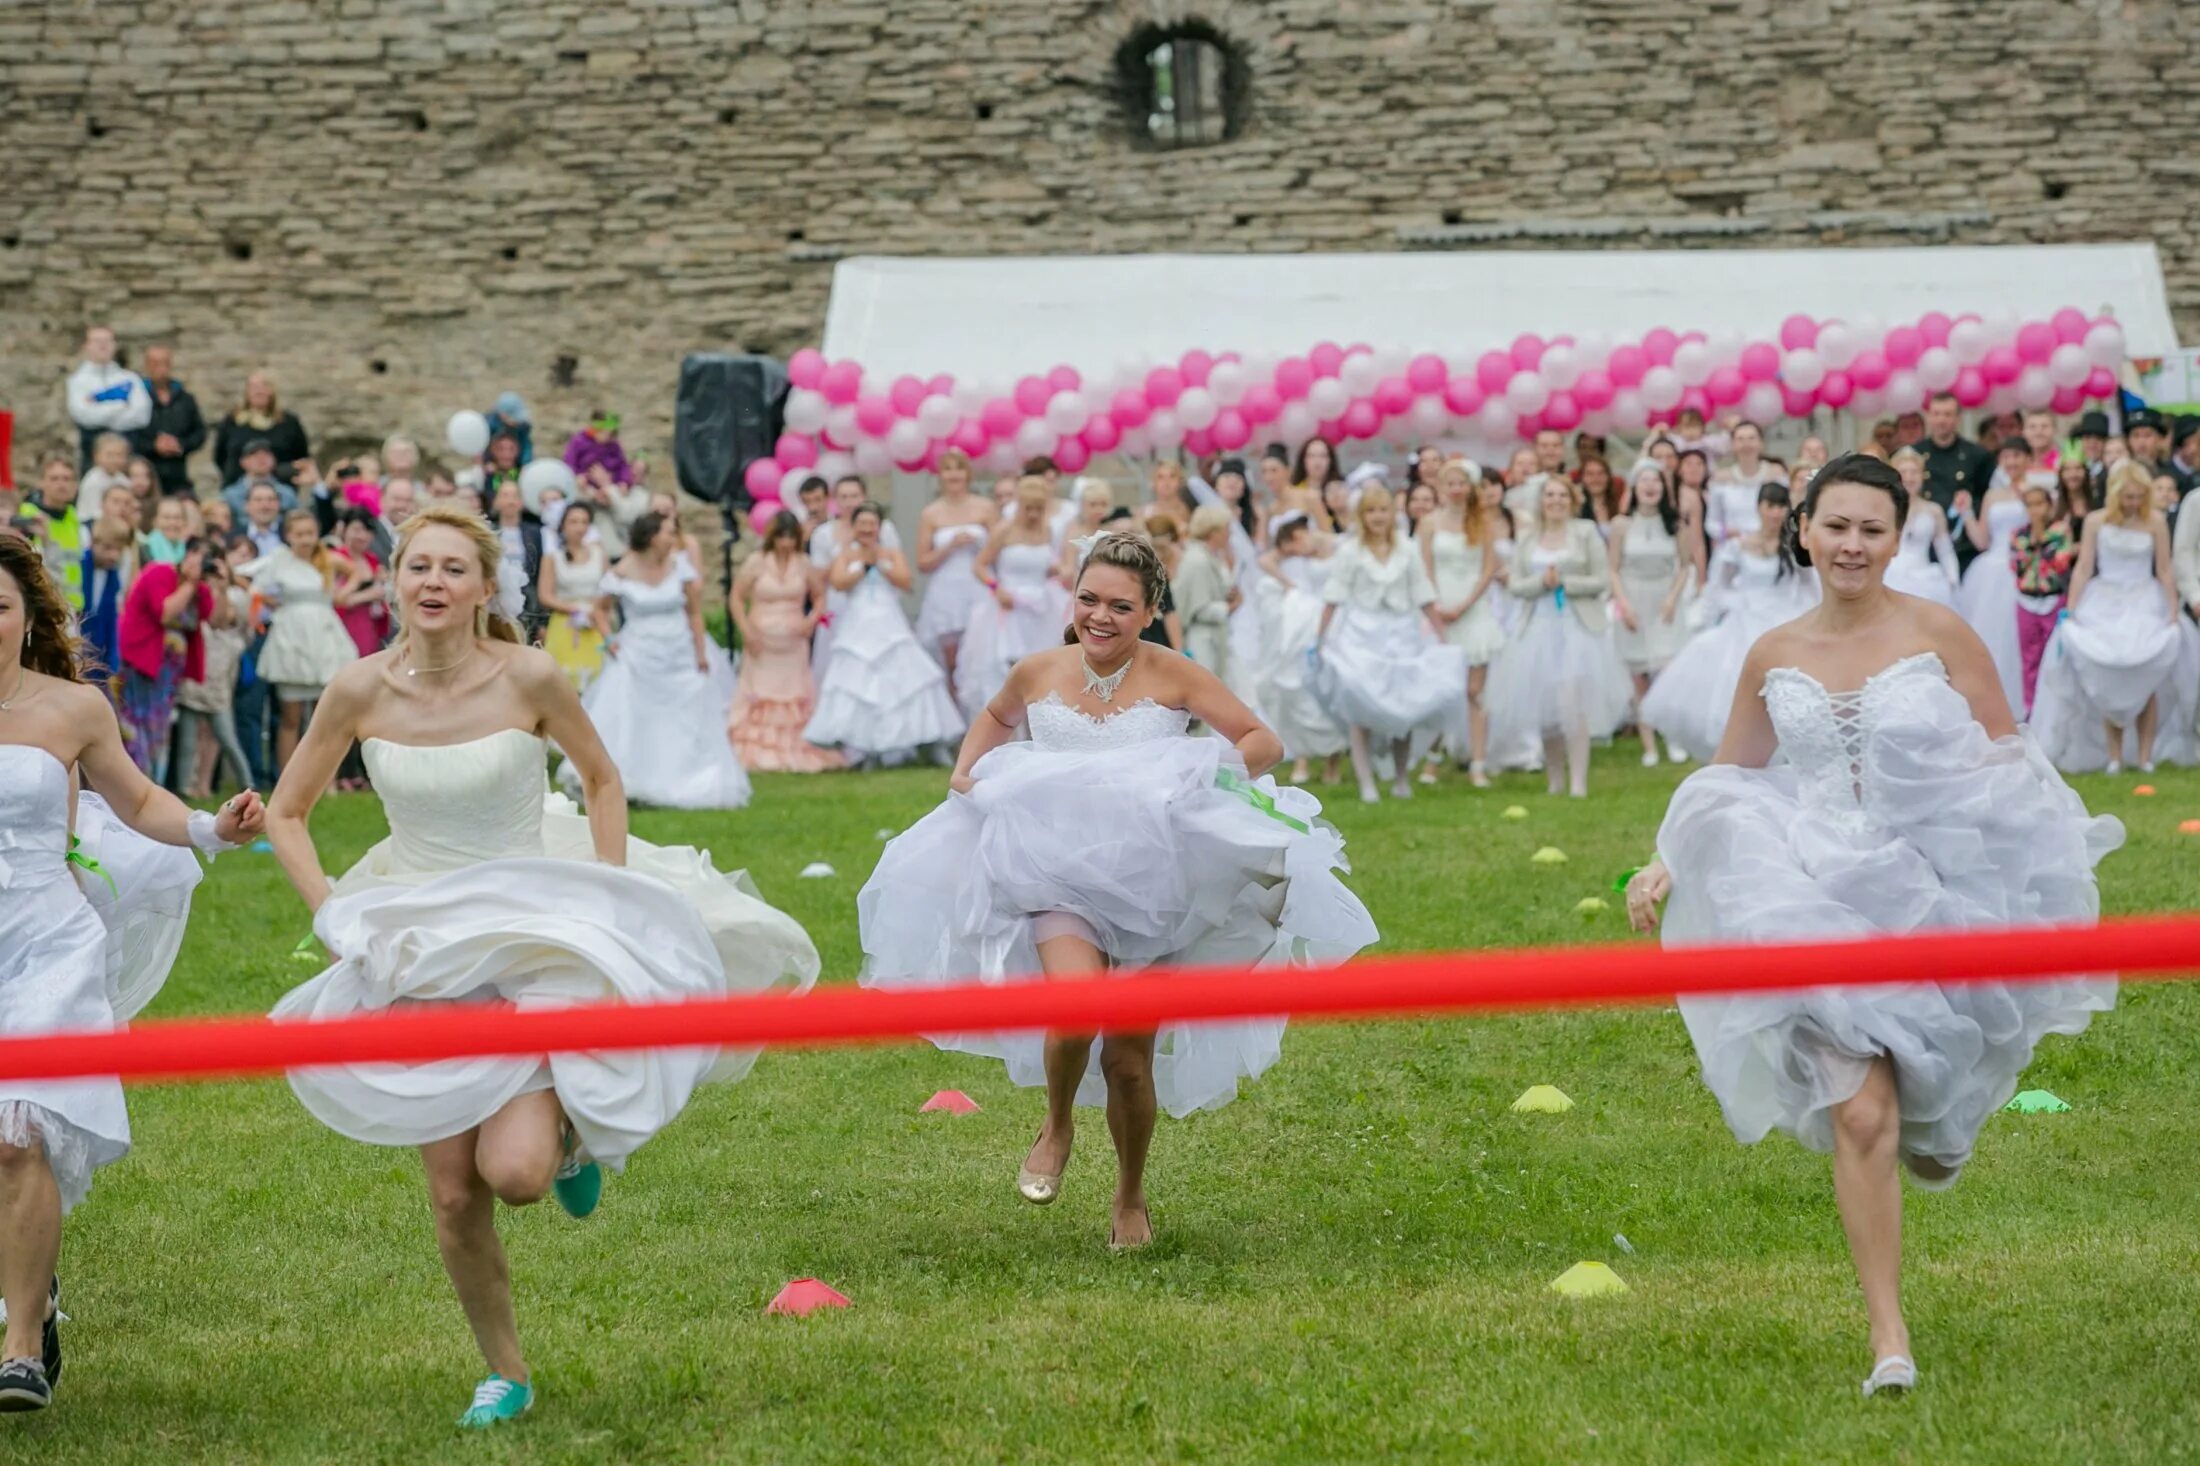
(1625,876)
(81,861)
(1229,782)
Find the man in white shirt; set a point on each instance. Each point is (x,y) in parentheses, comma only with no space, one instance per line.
(104,397)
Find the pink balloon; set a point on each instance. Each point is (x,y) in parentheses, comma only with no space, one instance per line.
(2069,324)
(1101,434)
(874,415)
(1393,395)
(1870,370)
(1464,396)
(1529,426)
(2100,382)
(1199,442)
(1196,366)
(1000,417)
(1562,412)
(1725,386)
(1527,351)
(1904,346)
(1231,431)
(1970,388)
(1064,379)
(905,394)
(1326,359)
(1163,386)
(1129,408)
(1492,371)
(1760,362)
(806,368)
(795,451)
(942,385)
(1427,373)
(1071,455)
(2067,399)
(1294,374)
(841,382)
(1933,327)
(1261,403)
(1798,331)
(1796,404)
(1031,396)
(1361,420)
(1658,346)
(1836,389)
(1627,366)
(1333,430)
(2036,341)
(2001,365)
(1696,400)
(762,477)
(970,436)
(763,512)
(1594,389)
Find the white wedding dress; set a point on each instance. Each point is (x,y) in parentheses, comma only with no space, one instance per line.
(999,637)
(1988,597)
(662,721)
(2121,646)
(1748,596)
(1152,845)
(1915,571)
(84,945)
(1287,696)
(488,891)
(881,695)
(1893,813)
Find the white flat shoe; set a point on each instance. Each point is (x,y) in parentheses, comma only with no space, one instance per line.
(1649,758)
(2115,766)
(1893,1375)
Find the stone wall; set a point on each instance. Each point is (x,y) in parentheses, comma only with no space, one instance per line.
(400,206)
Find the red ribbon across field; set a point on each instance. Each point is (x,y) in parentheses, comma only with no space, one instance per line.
(1432,983)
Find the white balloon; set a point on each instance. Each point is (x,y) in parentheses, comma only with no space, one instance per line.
(1868,401)
(1390,361)
(1870,331)
(1166,430)
(1838,345)
(1428,417)
(2001,325)
(1228,382)
(1762,403)
(1592,348)
(2067,366)
(2035,389)
(1197,408)
(1937,368)
(872,457)
(1803,369)
(1661,388)
(1527,392)
(1498,419)
(1035,439)
(1065,413)
(937,416)
(835,465)
(1360,373)
(906,440)
(1968,342)
(541,476)
(1904,391)
(840,424)
(806,410)
(1628,411)
(1329,397)
(790,484)
(1296,423)
(1136,443)
(1692,360)
(2104,344)
(467,433)
(1561,367)
(968,397)
(1726,348)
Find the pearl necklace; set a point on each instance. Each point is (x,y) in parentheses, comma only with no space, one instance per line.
(1104,687)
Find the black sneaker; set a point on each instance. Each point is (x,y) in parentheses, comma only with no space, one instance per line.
(23,1385)
(50,1337)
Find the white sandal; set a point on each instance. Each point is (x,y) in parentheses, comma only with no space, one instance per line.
(1893,1375)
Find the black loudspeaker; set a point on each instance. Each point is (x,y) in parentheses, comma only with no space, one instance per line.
(727,417)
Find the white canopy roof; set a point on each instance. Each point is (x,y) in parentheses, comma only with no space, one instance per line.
(991,318)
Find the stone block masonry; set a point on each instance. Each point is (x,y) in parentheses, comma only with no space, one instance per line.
(400,207)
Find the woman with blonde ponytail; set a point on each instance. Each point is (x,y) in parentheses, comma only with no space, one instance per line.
(489,890)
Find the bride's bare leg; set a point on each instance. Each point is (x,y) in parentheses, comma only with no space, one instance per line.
(1066,1057)
(1869,1193)
(1126,1060)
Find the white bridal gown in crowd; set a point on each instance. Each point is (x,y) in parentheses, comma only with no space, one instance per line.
(1293,708)
(1924,562)
(952,591)
(2119,646)
(1747,596)
(1892,812)
(1152,845)
(663,721)
(488,891)
(1381,667)
(881,696)
(998,637)
(1556,674)
(84,944)
(1988,597)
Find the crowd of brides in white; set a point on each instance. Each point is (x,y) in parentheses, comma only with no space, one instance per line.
(1141,675)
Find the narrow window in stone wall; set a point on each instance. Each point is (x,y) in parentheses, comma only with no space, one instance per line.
(1181,88)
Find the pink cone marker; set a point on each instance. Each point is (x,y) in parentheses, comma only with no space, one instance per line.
(805,1296)
(953,1101)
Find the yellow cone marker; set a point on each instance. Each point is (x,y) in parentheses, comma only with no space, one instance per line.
(1588,1280)
(1513,812)
(1590,906)
(1542,1099)
(1549,855)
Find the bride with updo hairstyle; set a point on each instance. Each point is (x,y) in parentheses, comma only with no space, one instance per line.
(1086,832)
(1872,781)
(491,892)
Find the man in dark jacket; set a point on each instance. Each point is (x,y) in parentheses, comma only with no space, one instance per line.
(176,430)
(1958,472)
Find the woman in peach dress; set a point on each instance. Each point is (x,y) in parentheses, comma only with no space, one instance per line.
(772,593)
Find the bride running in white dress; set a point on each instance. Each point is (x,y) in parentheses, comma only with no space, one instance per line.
(1291,601)
(491,892)
(1904,800)
(1988,596)
(1112,841)
(881,697)
(90,920)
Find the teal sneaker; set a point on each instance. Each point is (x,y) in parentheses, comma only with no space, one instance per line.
(496,1400)
(578,1184)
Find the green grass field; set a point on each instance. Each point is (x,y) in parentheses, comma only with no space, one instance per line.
(1353,1258)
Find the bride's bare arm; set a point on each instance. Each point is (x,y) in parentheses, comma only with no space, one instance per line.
(319,754)
(550,696)
(1971,670)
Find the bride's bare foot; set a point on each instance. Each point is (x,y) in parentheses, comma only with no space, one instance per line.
(1131,1226)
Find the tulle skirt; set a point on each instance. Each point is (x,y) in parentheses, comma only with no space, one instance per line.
(1159,852)
(1388,673)
(1554,677)
(997,638)
(882,695)
(530,933)
(2102,666)
(1288,697)
(1479,634)
(1988,601)
(952,596)
(1958,831)
(1690,700)
(664,724)
(306,646)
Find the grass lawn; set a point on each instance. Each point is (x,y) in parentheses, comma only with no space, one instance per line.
(1353,1258)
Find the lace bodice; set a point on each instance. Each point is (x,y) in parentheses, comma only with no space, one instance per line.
(460,803)
(1826,736)
(34,817)
(1059,728)
(2123,556)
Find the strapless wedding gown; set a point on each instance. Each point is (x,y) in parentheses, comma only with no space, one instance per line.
(84,945)
(1287,695)
(1988,598)
(1915,572)
(2120,646)
(1893,813)
(487,891)
(662,721)
(998,637)
(1689,701)
(881,696)
(1151,844)
(952,591)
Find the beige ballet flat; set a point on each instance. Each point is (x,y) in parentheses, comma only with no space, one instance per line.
(1037,1187)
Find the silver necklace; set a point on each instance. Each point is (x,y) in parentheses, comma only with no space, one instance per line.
(1104,687)
(23,675)
(447,666)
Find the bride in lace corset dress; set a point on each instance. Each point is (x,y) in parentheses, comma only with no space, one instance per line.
(1905,800)
(490,890)
(1110,840)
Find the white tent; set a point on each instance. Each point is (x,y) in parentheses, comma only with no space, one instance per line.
(992,319)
